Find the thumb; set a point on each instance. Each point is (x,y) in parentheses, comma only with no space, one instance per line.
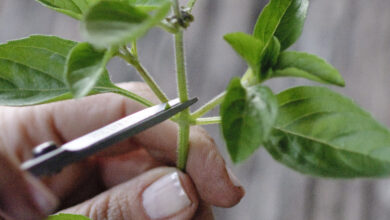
(21,195)
(161,193)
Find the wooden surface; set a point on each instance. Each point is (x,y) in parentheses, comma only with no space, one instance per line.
(354,35)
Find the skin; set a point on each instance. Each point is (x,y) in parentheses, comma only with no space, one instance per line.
(108,185)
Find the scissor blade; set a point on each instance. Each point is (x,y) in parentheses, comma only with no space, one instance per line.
(97,140)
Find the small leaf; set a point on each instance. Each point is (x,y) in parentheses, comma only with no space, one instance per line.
(248,115)
(32,71)
(115,22)
(248,47)
(299,64)
(291,25)
(67,217)
(73,8)
(322,133)
(269,20)
(84,66)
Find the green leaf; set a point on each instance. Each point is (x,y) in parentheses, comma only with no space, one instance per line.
(84,67)
(271,56)
(248,114)
(248,47)
(67,217)
(322,133)
(73,8)
(32,71)
(269,20)
(282,18)
(115,22)
(299,64)
(291,25)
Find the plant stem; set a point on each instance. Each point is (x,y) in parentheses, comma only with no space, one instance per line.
(184,116)
(180,67)
(176,8)
(208,121)
(131,95)
(131,59)
(208,106)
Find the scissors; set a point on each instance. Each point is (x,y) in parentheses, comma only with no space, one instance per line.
(48,159)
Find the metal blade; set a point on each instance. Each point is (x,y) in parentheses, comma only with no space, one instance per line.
(98,140)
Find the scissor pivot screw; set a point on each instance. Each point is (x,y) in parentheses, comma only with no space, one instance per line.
(44,148)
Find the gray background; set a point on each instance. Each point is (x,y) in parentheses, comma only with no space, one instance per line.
(353,35)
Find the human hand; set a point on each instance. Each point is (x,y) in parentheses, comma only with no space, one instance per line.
(130,180)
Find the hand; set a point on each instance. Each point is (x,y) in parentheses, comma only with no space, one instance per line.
(130,180)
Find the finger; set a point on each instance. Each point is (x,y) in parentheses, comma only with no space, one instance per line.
(214,182)
(121,168)
(162,193)
(21,195)
(111,171)
(204,212)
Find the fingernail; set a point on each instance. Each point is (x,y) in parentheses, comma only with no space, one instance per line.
(165,197)
(45,201)
(233,177)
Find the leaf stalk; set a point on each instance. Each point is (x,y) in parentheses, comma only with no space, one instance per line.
(209,106)
(133,60)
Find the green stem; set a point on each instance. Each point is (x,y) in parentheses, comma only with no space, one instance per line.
(131,95)
(131,59)
(249,78)
(184,116)
(208,121)
(176,8)
(180,67)
(208,106)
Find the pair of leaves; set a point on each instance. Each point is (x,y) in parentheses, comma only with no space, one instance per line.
(248,114)
(32,71)
(106,24)
(279,25)
(322,133)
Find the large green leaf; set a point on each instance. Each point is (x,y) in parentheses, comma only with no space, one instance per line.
(84,67)
(291,25)
(73,8)
(62,216)
(322,133)
(32,71)
(248,114)
(116,22)
(248,47)
(269,20)
(299,64)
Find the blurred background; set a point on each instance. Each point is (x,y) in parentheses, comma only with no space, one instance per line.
(353,35)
